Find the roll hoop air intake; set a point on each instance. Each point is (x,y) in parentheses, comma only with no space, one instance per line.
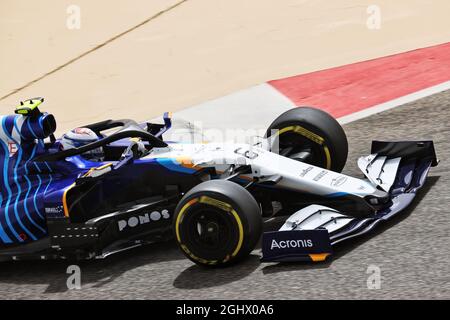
(37,124)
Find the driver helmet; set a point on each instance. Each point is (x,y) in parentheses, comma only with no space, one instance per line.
(79,137)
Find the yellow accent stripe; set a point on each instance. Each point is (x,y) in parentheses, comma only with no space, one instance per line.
(241,233)
(193,256)
(180,215)
(66,208)
(216,203)
(311,136)
(22,111)
(281,131)
(97,169)
(328,156)
(318,257)
(104,166)
(304,132)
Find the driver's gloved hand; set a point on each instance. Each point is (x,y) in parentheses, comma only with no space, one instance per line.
(136,149)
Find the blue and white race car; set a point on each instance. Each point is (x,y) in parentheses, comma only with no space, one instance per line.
(115,185)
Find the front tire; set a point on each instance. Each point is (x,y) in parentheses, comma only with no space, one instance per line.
(312,136)
(217,223)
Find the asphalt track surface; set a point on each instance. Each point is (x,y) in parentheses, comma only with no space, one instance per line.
(412,251)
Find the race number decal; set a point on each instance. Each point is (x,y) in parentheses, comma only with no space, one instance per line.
(12,147)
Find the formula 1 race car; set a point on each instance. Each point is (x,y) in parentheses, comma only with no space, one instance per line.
(115,185)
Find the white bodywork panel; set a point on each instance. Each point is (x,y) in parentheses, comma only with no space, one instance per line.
(379,170)
(295,175)
(315,216)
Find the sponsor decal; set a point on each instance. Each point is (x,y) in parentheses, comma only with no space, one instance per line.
(54,210)
(321,174)
(286,244)
(338,181)
(249,154)
(216,203)
(142,219)
(305,172)
(295,244)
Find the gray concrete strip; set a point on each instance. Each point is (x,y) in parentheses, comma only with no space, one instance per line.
(238,111)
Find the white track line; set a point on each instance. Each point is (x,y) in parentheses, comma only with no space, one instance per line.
(394,103)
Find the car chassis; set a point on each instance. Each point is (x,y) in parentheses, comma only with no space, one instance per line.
(56,204)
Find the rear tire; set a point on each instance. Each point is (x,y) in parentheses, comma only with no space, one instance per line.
(217,223)
(304,130)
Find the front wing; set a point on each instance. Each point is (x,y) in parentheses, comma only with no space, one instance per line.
(399,168)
